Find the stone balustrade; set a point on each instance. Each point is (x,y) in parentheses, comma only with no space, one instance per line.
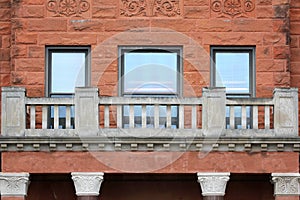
(212,115)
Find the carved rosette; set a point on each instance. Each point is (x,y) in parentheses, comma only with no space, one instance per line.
(68,7)
(87,183)
(213,184)
(232,8)
(14,184)
(286,183)
(150,8)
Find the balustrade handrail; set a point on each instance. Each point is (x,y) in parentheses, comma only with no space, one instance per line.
(49,101)
(249,101)
(149,101)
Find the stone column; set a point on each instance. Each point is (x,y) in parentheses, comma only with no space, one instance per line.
(213,185)
(13,186)
(286,186)
(87,184)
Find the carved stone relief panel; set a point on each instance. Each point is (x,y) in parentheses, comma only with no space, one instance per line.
(232,8)
(67,8)
(150,8)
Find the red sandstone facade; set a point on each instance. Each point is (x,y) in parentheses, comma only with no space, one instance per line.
(271,27)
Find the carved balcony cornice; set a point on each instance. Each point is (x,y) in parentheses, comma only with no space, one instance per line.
(14,184)
(286,183)
(126,143)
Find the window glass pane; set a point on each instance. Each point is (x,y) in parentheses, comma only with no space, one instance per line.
(67,71)
(232,71)
(150,73)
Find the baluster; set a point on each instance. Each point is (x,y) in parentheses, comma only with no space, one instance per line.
(244,117)
(169,116)
(106,116)
(144,116)
(56,116)
(44,117)
(68,117)
(267,117)
(231,117)
(131,116)
(119,116)
(255,117)
(194,117)
(181,117)
(32,116)
(156,116)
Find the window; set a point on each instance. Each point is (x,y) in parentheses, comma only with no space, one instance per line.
(67,68)
(150,71)
(234,68)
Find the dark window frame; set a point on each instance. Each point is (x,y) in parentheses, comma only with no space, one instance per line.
(151,49)
(252,66)
(66,49)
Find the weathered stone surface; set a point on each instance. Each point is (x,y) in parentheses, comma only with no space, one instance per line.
(105,12)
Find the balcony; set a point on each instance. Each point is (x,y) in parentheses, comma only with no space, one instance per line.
(144,122)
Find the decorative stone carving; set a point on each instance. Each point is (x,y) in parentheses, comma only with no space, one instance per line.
(68,7)
(168,8)
(14,184)
(131,8)
(150,8)
(286,183)
(232,8)
(213,184)
(87,183)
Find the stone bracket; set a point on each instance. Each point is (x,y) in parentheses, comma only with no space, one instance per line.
(14,184)
(87,183)
(286,184)
(213,184)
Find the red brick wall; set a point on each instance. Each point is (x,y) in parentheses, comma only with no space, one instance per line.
(5,31)
(295,43)
(35,25)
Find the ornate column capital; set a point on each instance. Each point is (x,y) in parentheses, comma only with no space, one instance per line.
(286,183)
(213,184)
(87,183)
(14,184)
